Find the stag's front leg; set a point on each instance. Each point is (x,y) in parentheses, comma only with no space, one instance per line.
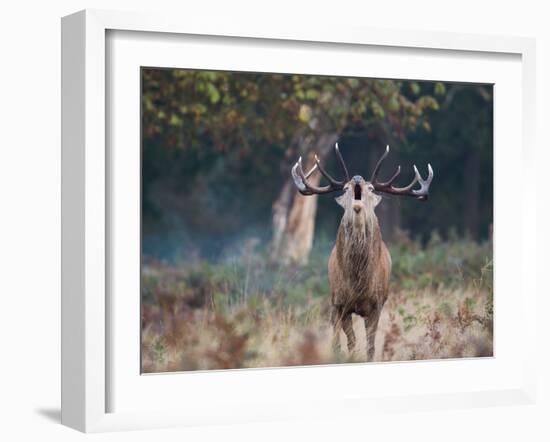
(371,324)
(347,325)
(336,321)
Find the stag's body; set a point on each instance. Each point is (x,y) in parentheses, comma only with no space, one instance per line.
(359,273)
(360,265)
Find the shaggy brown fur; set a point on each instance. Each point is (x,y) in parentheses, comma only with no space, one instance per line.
(359,266)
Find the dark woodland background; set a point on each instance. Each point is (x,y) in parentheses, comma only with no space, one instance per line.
(217,149)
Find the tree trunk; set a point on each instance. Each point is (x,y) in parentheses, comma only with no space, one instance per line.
(281,208)
(293,213)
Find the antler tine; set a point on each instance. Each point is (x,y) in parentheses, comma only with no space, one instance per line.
(422,193)
(313,169)
(379,164)
(392,179)
(298,177)
(387,187)
(325,173)
(341,159)
(305,188)
(410,186)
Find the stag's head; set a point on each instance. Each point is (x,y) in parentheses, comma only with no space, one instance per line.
(360,196)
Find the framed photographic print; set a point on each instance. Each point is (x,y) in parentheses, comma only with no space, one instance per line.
(252,213)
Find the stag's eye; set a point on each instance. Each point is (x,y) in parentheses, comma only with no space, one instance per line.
(357,192)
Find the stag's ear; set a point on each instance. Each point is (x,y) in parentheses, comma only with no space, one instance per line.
(340,200)
(376,199)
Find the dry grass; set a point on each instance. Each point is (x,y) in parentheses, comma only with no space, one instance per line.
(245,313)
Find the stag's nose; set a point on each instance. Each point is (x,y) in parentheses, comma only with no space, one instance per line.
(357,179)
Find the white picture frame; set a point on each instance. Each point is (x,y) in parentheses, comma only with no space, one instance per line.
(87,356)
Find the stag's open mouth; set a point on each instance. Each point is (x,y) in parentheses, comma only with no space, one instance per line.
(357,192)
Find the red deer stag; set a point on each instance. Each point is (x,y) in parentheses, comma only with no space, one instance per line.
(359,266)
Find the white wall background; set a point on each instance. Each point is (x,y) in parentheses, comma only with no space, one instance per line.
(30,222)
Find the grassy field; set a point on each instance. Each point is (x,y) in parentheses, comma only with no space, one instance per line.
(242,311)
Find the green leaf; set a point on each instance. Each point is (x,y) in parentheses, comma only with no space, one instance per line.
(393,104)
(312,94)
(175,120)
(305,113)
(378,110)
(213,93)
(428,102)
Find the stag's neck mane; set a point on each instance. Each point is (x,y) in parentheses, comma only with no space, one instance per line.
(358,243)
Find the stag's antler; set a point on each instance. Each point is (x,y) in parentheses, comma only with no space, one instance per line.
(387,187)
(305,188)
